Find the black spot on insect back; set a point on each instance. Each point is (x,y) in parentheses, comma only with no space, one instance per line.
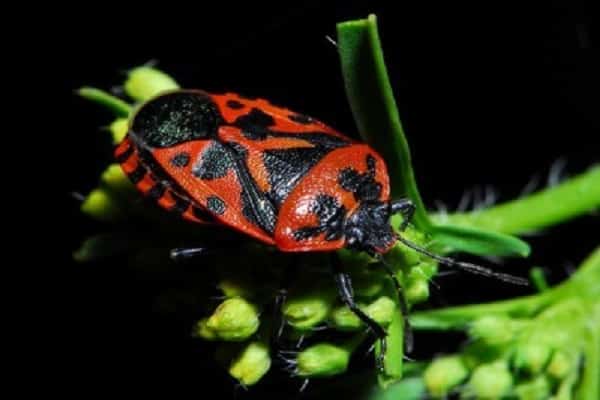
(255,118)
(363,186)
(216,205)
(180,160)
(213,163)
(331,215)
(176,118)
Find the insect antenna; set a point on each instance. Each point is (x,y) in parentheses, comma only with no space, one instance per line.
(465,266)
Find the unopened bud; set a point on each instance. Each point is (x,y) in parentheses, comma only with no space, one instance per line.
(367,284)
(489,381)
(201,330)
(321,360)
(381,311)
(116,180)
(306,310)
(118,129)
(234,320)
(443,374)
(531,356)
(252,363)
(537,388)
(417,286)
(560,365)
(234,288)
(493,329)
(143,83)
(102,205)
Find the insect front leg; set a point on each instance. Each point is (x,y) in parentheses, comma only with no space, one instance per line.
(346,293)
(186,253)
(406,208)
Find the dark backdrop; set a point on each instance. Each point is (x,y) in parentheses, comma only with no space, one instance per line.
(488,94)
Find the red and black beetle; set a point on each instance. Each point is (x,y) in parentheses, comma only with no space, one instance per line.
(280,177)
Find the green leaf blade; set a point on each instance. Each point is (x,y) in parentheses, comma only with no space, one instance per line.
(476,241)
(372,101)
(107,100)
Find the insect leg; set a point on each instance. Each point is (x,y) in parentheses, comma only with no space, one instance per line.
(405,207)
(346,293)
(280,299)
(186,253)
(408,333)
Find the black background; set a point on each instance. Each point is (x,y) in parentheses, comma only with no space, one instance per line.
(489,95)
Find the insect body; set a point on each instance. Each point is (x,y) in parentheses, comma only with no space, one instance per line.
(281,177)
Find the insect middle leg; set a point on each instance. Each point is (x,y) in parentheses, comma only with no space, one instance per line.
(344,286)
(289,275)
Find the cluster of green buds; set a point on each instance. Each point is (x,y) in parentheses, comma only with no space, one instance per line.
(545,346)
(246,315)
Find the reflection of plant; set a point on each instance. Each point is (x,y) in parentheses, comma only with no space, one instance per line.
(522,346)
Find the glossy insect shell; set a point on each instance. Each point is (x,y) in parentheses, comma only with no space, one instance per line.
(283,178)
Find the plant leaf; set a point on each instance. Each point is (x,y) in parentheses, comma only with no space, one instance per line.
(112,103)
(478,241)
(571,198)
(372,101)
(374,108)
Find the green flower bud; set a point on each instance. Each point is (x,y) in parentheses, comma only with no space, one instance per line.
(234,320)
(443,374)
(102,205)
(493,329)
(251,364)
(306,310)
(321,360)
(565,389)
(531,356)
(234,288)
(103,245)
(381,310)
(143,83)
(201,330)
(118,129)
(115,179)
(560,365)
(417,286)
(367,283)
(428,267)
(534,389)
(489,381)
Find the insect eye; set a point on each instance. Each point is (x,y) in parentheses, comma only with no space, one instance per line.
(176,118)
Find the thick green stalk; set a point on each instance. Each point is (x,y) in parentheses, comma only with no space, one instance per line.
(573,197)
(584,283)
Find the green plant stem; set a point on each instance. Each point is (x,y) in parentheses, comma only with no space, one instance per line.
(573,197)
(584,283)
